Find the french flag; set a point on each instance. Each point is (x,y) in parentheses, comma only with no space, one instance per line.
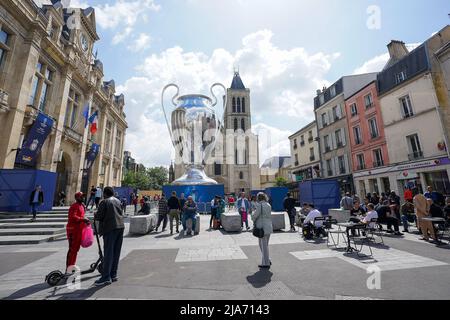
(93,121)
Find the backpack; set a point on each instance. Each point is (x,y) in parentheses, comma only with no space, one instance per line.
(307,231)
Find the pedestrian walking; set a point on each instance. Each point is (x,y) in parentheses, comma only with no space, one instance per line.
(182,202)
(91,200)
(190,212)
(262,219)
(62,199)
(98,197)
(289,206)
(74,229)
(244,209)
(174,211)
(347,202)
(163,210)
(36,200)
(111,227)
(214,207)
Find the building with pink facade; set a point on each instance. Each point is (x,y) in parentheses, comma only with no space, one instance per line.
(367,140)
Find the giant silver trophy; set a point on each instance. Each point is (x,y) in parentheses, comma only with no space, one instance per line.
(194,129)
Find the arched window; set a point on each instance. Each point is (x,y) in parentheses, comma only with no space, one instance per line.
(234,105)
(239,105)
(241,175)
(243,125)
(243,105)
(235,124)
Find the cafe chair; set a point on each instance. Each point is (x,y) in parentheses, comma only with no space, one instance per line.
(334,234)
(375,231)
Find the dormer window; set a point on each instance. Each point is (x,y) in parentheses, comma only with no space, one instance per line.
(333,91)
(400,77)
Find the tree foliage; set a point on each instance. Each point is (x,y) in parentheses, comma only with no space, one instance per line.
(281,182)
(150,179)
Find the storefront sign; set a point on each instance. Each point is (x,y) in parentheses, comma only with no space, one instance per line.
(36,137)
(405,167)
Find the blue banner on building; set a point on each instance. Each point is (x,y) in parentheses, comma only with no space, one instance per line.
(34,141)
(92,155)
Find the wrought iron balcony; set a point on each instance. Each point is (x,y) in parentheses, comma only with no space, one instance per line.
(377,164)
(361,167)
(312,158)
(416,155)
(327,149)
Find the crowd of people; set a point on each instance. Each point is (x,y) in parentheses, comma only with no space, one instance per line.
(391,212)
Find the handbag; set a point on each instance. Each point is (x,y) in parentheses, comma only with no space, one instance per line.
(87,237)
(258,232)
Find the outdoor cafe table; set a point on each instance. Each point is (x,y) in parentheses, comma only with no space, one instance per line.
(438,221)
(347,226)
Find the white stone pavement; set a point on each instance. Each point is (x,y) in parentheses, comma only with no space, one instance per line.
(207,246)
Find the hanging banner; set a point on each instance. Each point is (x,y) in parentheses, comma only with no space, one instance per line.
(92,155)
(34,141)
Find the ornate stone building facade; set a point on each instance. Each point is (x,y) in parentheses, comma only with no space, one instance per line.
(235,161)
(47,66)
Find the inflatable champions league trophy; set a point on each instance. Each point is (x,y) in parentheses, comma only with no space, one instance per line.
(194,129)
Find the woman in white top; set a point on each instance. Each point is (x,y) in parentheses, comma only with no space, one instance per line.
(262,218)
(372,214)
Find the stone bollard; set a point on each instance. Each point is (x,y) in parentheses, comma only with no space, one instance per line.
(278,220)
(141,224)
(231,221)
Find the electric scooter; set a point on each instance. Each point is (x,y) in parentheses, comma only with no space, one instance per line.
(57,277)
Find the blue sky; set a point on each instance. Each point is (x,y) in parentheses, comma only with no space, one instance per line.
(285,50)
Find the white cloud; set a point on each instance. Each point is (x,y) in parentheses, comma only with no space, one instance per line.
(141,43)
(377,63)
(282,83)
(272,141)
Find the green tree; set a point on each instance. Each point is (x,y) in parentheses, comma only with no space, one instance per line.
(281,182)
(158,176)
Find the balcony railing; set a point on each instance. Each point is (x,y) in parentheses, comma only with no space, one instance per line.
(416,155)
(296,163)
(374,135)
(370,105)
(377,164)
(325,124)
(312,158)
(327,149)
(73,135)
(340,144)
(360,167)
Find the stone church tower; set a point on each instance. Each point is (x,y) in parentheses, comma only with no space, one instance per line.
(238,165)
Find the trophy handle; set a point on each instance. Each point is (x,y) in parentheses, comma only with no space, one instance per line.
(174,104)
(215,101)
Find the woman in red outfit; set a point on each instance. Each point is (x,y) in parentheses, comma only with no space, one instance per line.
(74,228)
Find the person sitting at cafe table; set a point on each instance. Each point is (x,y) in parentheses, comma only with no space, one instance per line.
(363,220)
(387,214)
(310,219)
(408,215)
(355,214)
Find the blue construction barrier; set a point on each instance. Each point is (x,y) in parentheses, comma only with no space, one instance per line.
(276,196)
(124,192)
(324,194)
(201,194)
(16,187)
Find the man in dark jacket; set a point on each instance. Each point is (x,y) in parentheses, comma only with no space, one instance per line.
(163,210)
(145,209)
(173,205)
(289,206)
(110,216)
(36,200)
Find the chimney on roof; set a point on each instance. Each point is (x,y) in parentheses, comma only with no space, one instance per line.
(397,49)
(324,88)
(318,92)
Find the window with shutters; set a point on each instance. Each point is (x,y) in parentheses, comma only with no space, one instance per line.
(339,142)
(4,46)
(326,143)
(373,128)
(341,162)
(42,81)
(357,135)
